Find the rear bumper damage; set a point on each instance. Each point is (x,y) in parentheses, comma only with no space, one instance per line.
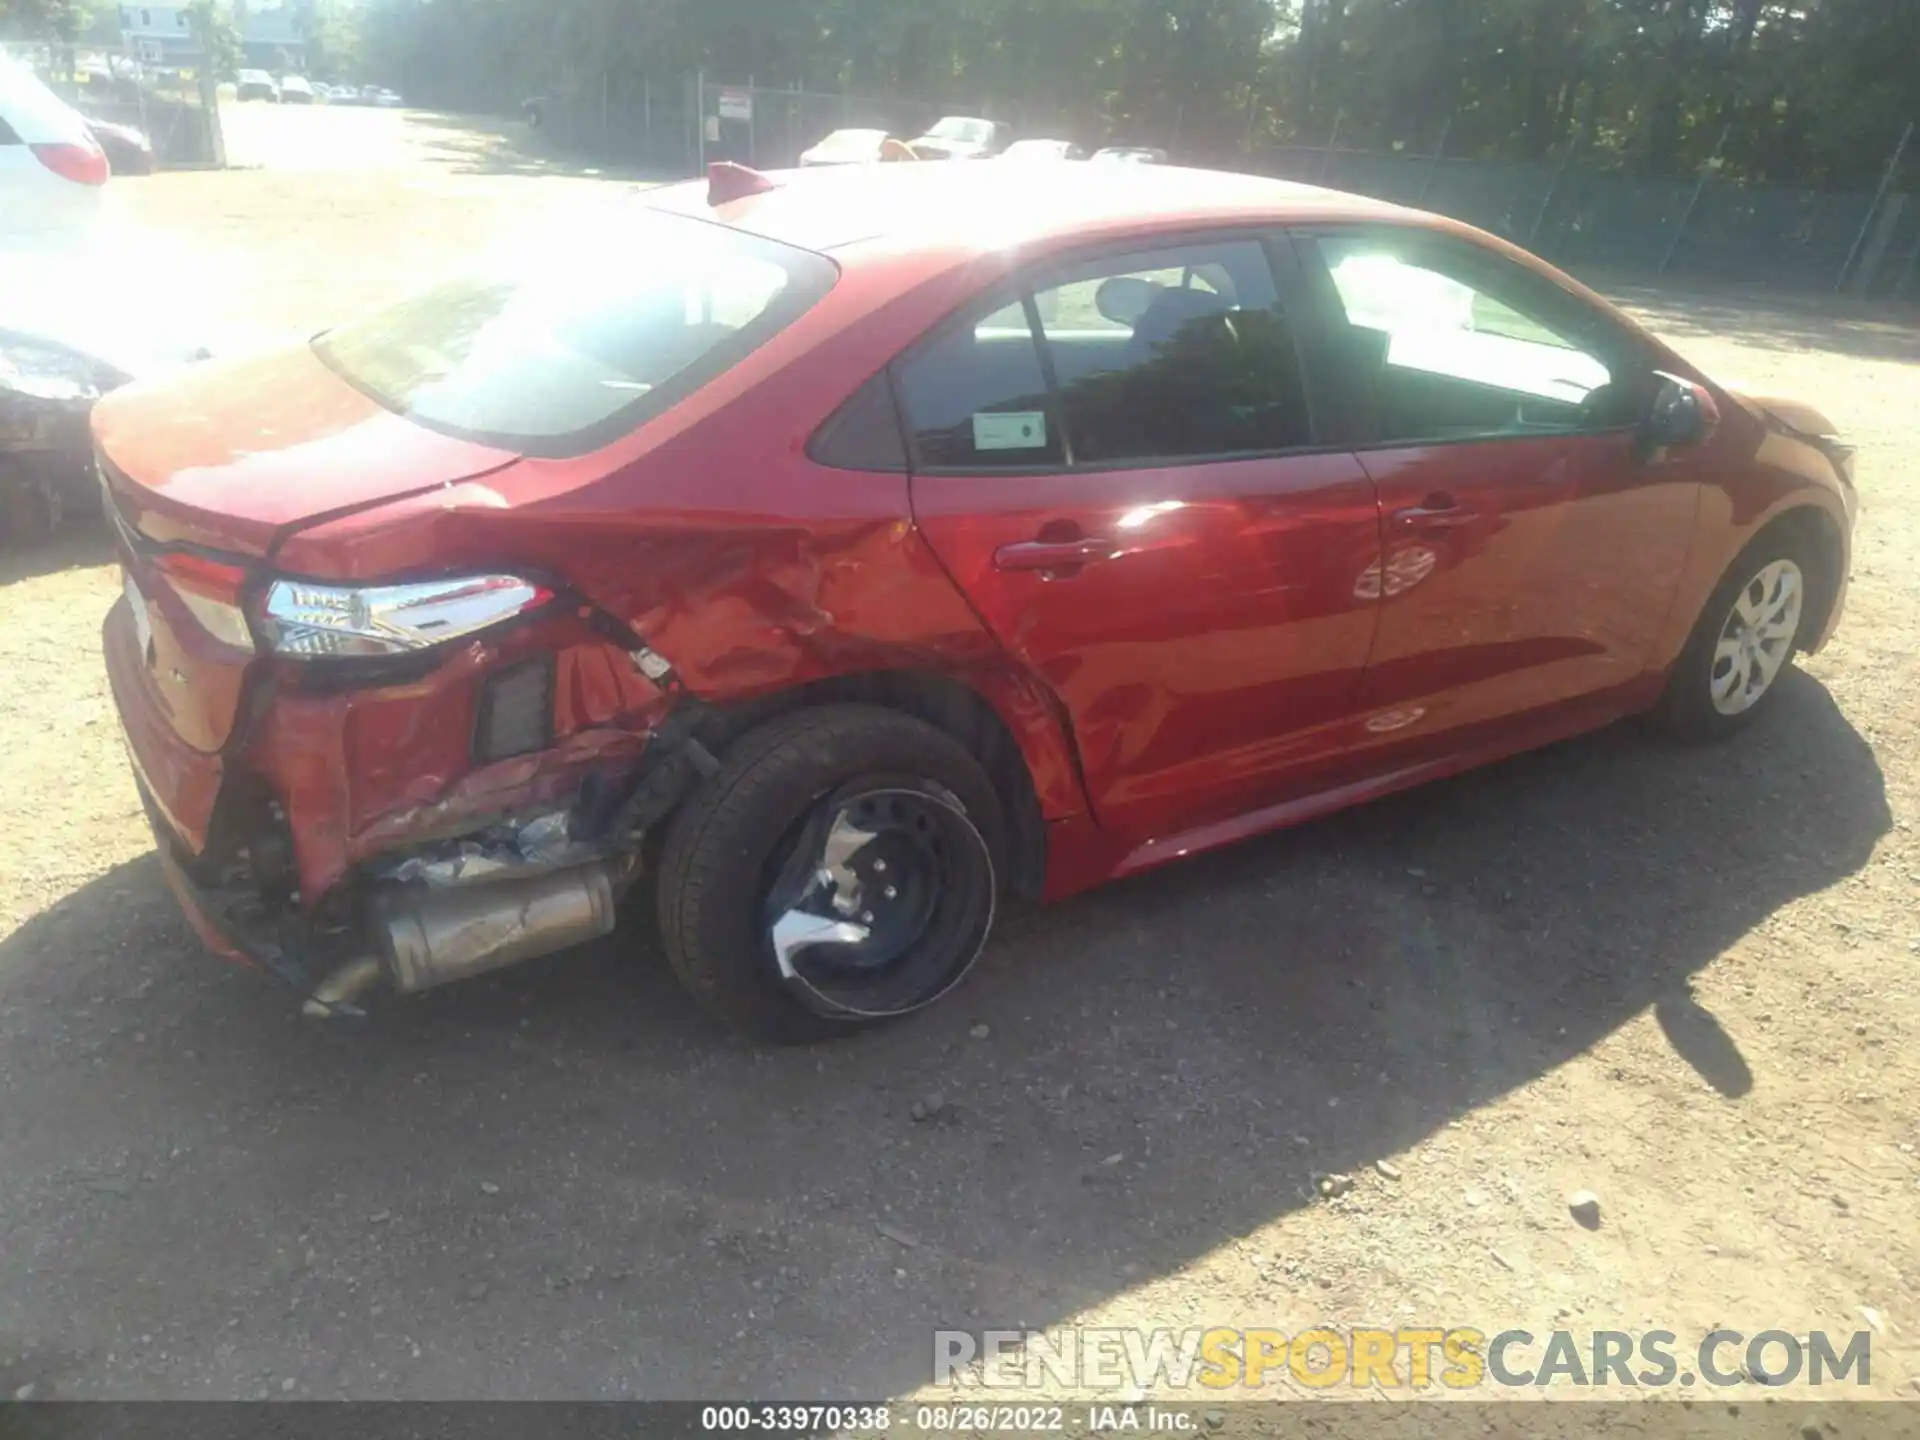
(427,915)
(423,924)
(279,856)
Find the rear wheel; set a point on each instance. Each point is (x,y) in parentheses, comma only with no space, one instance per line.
(839,870)
(1744,640)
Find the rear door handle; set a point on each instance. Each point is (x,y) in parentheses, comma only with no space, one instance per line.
(1051,554)
(1432,517)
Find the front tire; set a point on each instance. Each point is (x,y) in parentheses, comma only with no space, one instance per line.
(841,869)
(1744,641)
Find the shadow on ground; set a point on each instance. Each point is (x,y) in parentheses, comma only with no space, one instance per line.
(77,545)
(496,145)
(1884,329)
(561,1182)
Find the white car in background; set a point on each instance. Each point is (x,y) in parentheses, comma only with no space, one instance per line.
(53,173)
(855,147)
(1043,150)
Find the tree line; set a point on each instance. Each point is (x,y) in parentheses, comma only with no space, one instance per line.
(1812,92)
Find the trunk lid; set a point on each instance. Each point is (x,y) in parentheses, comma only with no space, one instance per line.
(232,454)
(204,475)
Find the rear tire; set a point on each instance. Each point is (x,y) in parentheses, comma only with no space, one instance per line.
(746,850)
(1744,642)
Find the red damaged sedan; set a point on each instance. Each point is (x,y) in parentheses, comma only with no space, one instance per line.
(838,553)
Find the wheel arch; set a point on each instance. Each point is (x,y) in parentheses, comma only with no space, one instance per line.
(960,710)
(1812,524)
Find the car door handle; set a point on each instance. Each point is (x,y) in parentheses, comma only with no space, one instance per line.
(1432,517)
(1051,554)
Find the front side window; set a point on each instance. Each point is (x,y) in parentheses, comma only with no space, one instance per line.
(557,350)
(1172,355)
(1450,342)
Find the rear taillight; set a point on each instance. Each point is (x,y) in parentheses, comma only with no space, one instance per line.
(84,164)
(307,620)
(210,589)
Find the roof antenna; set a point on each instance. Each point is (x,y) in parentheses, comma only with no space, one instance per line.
(728,181)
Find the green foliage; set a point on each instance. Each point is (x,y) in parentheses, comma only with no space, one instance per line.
(219,40)
(42,19)
(333,40)
(1807,91)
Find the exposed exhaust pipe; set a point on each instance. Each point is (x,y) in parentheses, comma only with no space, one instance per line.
(444,935)
(336,994)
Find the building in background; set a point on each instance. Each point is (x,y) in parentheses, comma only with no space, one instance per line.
(272,37)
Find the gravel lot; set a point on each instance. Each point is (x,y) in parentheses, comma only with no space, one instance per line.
(1683,980)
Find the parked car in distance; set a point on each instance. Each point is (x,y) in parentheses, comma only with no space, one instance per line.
(52,169)
(1130,155)
(128,151)
(384,97)
(961,137)
(856,147)
(255,85)
(1043,150)
(71,330)
(296,90)
(885,540)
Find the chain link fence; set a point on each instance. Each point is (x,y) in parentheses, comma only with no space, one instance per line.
(675,123)
(164,103)
(1585,218)
(1580,215)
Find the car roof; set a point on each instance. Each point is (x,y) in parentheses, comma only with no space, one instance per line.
(974,208)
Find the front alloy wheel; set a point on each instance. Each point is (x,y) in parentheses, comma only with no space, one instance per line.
(1744,638)
(1757,638)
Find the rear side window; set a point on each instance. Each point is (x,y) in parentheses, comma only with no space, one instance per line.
(977,399)
(1173,354)
(560,351)
(864,433)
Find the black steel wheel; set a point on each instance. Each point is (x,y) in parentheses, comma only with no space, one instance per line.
(839,870)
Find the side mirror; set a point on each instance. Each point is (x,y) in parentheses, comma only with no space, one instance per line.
(1683,413)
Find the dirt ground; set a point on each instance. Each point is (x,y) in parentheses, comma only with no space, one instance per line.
(1684,980)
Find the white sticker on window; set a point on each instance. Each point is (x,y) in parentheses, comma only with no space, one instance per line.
(1010,430)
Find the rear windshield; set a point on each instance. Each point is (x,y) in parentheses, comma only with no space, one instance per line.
(560,348)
